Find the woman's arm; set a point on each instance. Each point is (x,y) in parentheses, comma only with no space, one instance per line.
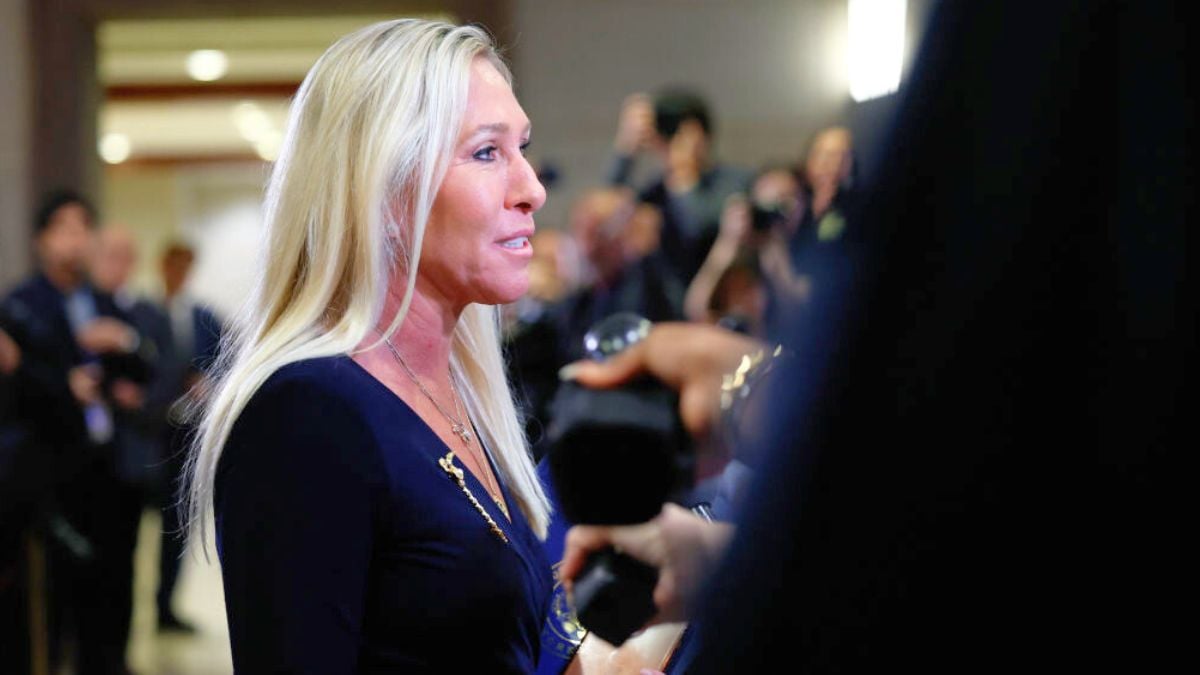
(294,513)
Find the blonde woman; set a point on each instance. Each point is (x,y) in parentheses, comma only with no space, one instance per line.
(376,508)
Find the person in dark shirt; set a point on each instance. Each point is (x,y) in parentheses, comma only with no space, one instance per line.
(82,361)
(111,266)
(376,506)
(621,271)
(191,337)
(16,485)
(183,336)
(747,276)
(22,478)
(531,335)
(829,184)
(676,126)
(606,225)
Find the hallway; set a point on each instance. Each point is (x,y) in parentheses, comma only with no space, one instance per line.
(198,599)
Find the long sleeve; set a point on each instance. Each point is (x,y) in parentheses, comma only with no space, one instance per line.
(294,514)
(620,171)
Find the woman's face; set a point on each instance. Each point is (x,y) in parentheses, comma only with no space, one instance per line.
(477,241)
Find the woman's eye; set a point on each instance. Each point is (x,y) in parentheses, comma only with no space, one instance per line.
(485,154)
(525,146)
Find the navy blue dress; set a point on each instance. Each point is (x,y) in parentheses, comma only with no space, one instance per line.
(345,548)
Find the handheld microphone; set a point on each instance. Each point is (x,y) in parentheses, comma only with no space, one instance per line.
(616,455)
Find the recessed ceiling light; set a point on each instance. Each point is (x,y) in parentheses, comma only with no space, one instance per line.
(207,65)
(115,148)
(251,121)
(267,146)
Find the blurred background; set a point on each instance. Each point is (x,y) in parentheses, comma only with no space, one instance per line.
(167,114)
(164,110)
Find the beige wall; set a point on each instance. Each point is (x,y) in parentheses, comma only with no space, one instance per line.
(773,70)
(146,201)
(14,143)
(213,208)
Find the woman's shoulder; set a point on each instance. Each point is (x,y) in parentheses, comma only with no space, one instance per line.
(304,406)
(336,377)
(330,387)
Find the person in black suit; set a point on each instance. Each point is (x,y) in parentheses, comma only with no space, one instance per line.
(137,428)
(192,336)
(22,479)
(184,336)
(966,461)
(82,361)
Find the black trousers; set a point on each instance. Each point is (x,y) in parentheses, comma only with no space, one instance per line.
(14,596)
(173,539)
(92,587)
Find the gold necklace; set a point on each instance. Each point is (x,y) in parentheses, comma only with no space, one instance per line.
(459,428)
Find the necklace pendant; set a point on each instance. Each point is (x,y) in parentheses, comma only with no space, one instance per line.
(461,431)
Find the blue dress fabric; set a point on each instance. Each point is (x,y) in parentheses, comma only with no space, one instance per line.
(562,632)
(346,548)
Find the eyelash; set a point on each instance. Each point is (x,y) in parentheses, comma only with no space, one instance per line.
(479,154)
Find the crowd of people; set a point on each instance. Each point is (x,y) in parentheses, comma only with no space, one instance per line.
(703,241)
(916,495)
(91,375)
(94,374)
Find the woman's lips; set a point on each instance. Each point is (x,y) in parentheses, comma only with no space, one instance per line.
(516,243)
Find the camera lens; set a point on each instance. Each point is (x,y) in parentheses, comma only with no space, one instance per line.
(615,334)
(764,216)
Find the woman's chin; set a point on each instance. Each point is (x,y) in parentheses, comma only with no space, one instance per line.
(505,293)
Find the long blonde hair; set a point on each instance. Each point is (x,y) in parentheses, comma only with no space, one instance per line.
(367,145)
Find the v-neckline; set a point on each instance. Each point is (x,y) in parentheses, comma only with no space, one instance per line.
(506,520)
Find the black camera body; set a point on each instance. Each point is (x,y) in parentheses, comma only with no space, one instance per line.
(616,455)
(614,595)
(764,217)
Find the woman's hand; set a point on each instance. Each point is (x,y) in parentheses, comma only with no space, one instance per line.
(683,547)
(689,358)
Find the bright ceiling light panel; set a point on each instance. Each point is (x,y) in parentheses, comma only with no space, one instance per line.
(207,65)
(268,145)
(251,120)
(115,148)
(876,45)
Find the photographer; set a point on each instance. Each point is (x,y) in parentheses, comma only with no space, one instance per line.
(692,359)
(748,275)
(81,356)
(677,128)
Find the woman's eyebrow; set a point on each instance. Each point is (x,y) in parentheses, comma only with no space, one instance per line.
(494,127)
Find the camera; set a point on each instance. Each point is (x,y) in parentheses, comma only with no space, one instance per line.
(764,217)
(616,455)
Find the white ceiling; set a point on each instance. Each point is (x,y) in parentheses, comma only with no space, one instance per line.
(188,128)
(273,49)
(167,115)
